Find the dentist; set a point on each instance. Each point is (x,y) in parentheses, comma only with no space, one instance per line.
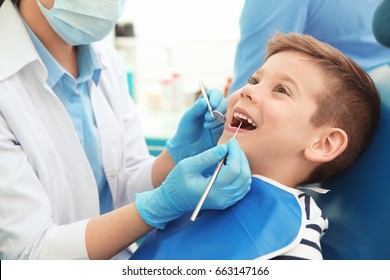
(76,178)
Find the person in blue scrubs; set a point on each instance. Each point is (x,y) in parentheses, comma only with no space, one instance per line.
(345,25)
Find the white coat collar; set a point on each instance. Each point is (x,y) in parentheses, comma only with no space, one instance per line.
(16,48)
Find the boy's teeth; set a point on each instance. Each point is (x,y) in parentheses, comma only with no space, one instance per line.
(244,117)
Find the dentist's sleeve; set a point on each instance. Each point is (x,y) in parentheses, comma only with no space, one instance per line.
(26,228)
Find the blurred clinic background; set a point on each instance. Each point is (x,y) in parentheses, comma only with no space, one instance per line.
(167,47)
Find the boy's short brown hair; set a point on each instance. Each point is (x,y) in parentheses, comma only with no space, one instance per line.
(349,101)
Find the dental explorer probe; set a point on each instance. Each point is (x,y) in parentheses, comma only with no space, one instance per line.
(210,184)
(215,113)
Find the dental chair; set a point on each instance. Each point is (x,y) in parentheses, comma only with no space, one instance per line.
(358,205)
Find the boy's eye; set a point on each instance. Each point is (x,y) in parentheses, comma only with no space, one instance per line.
(253,81)
(281,89)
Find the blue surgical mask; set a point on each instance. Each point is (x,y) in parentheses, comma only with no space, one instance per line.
(81,22)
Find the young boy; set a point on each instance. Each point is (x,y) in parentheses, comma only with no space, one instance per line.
(306,115)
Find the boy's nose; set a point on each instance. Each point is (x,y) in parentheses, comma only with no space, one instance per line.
(246,93)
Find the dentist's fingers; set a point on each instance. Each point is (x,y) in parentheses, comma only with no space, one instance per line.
(197,111)
(219,104)
(215,98)
(234,178)
(236,161)
(197,164)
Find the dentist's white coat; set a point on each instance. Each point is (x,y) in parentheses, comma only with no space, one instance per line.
(47,188)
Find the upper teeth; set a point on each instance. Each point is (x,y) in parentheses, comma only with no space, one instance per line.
(244,117)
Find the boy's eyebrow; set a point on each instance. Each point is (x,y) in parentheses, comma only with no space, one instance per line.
(259,71)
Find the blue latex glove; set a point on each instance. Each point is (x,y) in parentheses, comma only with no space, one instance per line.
(184,186)
(198,131)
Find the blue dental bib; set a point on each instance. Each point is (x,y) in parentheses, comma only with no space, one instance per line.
(265,223)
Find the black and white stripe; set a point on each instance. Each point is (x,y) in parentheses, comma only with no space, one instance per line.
(309,248)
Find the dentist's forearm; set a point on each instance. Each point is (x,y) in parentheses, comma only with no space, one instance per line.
(109,234)
(162,165)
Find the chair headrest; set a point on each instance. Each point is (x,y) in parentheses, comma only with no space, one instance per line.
(381,23)
(358,204)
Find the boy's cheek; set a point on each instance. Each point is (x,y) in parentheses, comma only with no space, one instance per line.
(223,139)
(233,99)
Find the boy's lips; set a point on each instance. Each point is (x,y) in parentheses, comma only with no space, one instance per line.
(240,115)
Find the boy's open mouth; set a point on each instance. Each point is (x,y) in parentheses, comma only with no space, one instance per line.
(247,122)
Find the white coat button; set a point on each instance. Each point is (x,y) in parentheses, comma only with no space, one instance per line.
(114,172)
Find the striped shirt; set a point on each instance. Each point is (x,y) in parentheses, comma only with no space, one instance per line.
(316,225)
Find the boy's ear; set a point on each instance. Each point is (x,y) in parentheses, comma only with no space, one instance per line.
(328,146)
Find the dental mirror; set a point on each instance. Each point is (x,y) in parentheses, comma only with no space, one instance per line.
(215,113)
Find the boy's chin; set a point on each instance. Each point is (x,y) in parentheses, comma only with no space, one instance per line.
(223,140)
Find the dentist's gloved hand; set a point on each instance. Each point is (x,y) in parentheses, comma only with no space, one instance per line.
(198,130)
(184,186)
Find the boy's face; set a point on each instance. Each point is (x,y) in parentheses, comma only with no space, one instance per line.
(276,107)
